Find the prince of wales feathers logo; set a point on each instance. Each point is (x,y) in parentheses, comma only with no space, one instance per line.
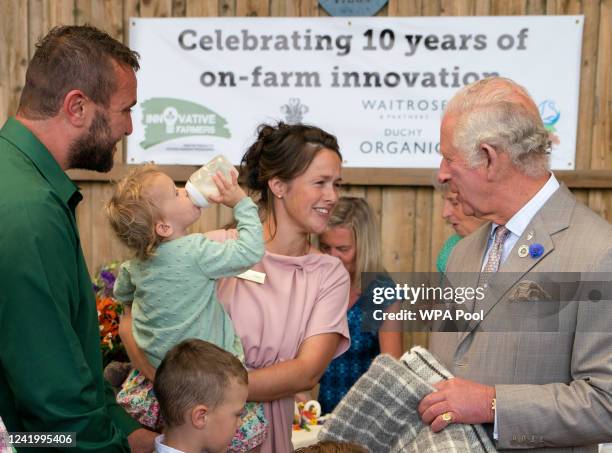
(167,118)
(294,111)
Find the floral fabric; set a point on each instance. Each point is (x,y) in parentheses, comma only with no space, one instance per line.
(4,443)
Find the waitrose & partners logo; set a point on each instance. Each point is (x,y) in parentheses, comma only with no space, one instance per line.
(167,118)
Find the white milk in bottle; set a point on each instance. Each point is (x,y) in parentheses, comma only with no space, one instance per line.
(200,185)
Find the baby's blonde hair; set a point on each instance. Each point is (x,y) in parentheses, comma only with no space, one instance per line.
(132,214)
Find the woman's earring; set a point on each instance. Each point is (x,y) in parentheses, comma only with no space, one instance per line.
(279,196)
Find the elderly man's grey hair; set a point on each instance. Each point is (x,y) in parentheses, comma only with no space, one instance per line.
(500,113)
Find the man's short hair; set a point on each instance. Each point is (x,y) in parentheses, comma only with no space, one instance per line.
(68,58)
(194,372)
(501,113)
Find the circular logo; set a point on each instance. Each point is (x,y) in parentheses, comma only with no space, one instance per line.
(549,112)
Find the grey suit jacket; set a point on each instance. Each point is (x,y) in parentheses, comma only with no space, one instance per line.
(554,387)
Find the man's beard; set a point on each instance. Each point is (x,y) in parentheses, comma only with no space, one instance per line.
(95,150)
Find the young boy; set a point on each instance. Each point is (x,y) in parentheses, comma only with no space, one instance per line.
(202,390)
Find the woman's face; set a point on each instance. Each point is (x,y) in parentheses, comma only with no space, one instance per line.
(340,242)
(452,212)
(308,199)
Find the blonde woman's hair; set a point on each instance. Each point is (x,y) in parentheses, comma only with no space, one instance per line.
(133,215)
(355,214)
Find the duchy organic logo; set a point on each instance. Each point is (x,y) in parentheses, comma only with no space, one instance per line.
(167,118)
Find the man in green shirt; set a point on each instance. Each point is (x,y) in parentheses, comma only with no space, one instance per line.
(74,108)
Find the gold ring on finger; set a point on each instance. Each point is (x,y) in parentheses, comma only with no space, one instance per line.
(447,417)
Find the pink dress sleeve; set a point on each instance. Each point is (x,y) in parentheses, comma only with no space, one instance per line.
(329,311)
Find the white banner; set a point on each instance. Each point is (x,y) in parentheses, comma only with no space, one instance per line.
(379,84)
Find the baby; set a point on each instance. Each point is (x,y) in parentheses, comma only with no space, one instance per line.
(168,289)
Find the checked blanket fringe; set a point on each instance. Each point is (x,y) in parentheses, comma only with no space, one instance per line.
(380,410)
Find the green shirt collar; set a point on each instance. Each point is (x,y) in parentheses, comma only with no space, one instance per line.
(24,140)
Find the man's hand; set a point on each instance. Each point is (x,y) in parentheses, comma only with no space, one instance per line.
(142,441)
(465,401)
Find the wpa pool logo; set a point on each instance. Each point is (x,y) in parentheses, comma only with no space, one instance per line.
(550,115)
(167,118)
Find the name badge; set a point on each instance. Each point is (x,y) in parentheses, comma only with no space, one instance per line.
(253,276)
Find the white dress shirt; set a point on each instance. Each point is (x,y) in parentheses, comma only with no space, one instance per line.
(519,221)
(160,447)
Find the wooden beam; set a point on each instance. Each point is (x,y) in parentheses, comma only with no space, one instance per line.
(578,179)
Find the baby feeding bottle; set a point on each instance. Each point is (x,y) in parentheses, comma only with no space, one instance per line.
(200,185)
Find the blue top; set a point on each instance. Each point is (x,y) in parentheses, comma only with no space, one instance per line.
(445,252)
(344,371)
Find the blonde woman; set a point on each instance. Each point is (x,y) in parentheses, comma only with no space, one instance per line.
(352,236)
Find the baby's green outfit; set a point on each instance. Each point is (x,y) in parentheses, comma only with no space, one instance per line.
(173,295)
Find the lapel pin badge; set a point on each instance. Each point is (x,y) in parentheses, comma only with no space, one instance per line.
(523,251)
(530,236)
(536,250)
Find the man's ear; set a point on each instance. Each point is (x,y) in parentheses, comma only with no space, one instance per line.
(278,187)
(163,230)
(77,107)
(198,416)
(492,160)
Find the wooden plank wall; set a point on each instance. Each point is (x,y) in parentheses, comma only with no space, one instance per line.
(412,230)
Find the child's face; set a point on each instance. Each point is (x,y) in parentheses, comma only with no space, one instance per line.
(223,421)
(174,205)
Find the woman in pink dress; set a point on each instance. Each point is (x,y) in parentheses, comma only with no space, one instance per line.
(294,323)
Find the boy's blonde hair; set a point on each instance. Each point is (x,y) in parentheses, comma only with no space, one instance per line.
(132,214)
(355,214)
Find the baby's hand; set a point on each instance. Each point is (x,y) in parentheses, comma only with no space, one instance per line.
(230,193)
(221,235)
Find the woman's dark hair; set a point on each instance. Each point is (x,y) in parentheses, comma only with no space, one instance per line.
(283,151)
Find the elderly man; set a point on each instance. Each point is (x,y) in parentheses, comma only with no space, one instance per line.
(548,389)
(75,106)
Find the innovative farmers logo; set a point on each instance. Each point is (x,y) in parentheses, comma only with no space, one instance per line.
(550,114)
(167,118)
